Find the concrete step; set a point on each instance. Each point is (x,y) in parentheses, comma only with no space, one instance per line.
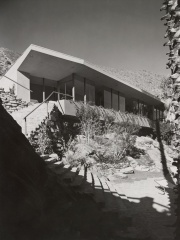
(87,186)
(34,119)
(98,191)
(79,179)
(69,176)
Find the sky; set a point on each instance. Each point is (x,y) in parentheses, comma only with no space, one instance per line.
(124,34)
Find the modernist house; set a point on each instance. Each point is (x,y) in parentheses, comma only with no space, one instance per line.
(42,71)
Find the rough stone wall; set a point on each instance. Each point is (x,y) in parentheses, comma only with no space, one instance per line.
(10,102)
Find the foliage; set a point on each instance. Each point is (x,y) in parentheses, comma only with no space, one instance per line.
(166,87)
(44,142)
(90,123)
(12,90)
(166,132)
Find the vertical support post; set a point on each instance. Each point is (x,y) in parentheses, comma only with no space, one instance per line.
(44,90)
(111,98)
(58,89)
(73,89)
(47,109)
(118,102)
(85,97)
(25,122)
(153,118)
(65,89)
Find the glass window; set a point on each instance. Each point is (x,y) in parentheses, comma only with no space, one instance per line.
(69,87)
(154,114)
(90,93)
(79,90)
(115,100)
(122,107)
(62,90)
(161,114)
(107,99)
(135,107)
(157,114)
(140,108)
(145,110)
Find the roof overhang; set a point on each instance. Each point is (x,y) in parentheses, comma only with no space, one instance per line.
(45,63)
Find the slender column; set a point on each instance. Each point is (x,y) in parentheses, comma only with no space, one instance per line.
(65,89)
(44,89)
(111,98)
(58,89)
(85,97)
(118,102)
(73,89)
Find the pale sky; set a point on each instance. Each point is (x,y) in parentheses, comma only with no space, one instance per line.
(116,33)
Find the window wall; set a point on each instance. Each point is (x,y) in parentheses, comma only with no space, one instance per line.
(107,98)
(115,104)
(112,99)
(79,89)
(140,108)
(90,91)
(158,114)
(84,89)
(122,104)
(66,89)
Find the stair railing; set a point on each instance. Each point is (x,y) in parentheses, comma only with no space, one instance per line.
(45,101)
(17,83)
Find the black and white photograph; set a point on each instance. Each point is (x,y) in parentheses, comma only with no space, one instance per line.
(89,119)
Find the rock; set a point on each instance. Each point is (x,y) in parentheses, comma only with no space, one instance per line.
(128,170)
(144,143)
(156,144)
(82,150)
(54,155)
(45,156)
(116,176)
(51,160)
(155,155)
(142,168)
(173,170)
(133,162)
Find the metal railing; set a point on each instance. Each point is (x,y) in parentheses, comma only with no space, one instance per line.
(46,101)
(18,83)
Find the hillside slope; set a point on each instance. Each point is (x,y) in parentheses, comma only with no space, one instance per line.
(7,59)
(142,79)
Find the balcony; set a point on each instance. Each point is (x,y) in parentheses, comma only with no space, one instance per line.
(68,108)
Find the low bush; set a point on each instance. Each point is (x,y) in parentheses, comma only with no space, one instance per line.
(44,142)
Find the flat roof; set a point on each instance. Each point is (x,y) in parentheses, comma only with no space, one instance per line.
(50,64)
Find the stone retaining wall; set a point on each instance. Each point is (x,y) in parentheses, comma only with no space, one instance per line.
(10,102)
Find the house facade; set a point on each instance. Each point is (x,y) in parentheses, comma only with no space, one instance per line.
(40,71)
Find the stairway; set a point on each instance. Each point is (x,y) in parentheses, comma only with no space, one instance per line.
(35,118)
(114,204)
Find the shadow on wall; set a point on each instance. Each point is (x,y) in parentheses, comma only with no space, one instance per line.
(41,202)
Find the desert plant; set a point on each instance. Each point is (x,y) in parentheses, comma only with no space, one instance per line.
(12,90)
(44,142)
(90,123)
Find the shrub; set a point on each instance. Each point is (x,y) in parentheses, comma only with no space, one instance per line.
(44,142)
(166,131)
(90,123)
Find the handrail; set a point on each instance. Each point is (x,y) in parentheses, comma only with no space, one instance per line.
(17,83)
(46,101)
(41,104)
